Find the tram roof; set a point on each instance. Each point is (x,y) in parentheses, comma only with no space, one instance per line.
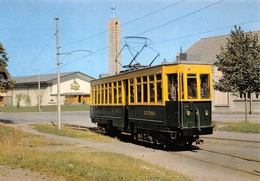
(122,73)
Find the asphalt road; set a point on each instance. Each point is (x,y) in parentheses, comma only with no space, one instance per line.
(83,118)
(79,118)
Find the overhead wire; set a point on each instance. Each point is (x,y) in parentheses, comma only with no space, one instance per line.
(95,52)
(36,56)
(153,13)
(164,23)
(172,20)
(126,23)
(180,17)
(204,32)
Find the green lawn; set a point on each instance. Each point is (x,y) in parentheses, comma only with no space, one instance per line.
(37,153)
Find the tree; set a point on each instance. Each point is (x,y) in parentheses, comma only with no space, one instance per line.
(5,79)
(19,98)
(239,63)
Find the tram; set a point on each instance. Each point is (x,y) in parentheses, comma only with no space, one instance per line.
(163,104)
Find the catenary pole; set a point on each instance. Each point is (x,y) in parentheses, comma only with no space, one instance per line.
(58,72)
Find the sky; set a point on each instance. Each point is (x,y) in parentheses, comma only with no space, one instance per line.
(28,30)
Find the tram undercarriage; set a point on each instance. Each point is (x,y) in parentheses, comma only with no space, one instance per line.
(158,139)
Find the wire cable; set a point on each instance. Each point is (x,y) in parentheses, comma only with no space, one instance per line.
(125,23)
(180,17)
(205,32)
(36,56)
(152,13)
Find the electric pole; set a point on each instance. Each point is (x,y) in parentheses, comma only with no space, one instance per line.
(58,71)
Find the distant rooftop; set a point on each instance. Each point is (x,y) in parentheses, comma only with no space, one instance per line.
(208,48)
(45,77)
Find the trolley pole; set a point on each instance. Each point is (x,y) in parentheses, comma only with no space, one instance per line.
(58,71)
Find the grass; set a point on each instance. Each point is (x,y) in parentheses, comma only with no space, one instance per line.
(79,164)
(51,108)
(244,127)
(69,132)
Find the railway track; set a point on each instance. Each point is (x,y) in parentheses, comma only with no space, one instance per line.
(228,139)
(214,156)
(244,163)
(253,172)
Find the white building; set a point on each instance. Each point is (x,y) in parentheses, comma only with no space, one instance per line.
(74,88)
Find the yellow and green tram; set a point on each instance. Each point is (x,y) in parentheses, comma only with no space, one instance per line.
(167,103)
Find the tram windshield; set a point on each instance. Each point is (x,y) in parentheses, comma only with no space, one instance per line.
(202,85)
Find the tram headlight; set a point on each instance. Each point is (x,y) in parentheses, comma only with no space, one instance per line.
(188,113)
(206,112)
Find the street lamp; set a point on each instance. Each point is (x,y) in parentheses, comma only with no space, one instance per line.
(58,82)
(58,69)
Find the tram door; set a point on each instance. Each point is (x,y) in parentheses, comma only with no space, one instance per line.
(172,105)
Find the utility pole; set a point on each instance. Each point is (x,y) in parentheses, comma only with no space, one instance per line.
(58,71)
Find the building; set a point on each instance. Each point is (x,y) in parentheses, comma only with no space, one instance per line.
(206,50)
(74,88)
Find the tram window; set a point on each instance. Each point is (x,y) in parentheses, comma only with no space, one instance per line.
(93,94)
(151,92)
(98,94)
(119,92)
(132,94)
(110,93)
(204,87)
(151,78)
(158,77)
(139,93)
(159,92)
(115,92)
(120,95)
(138,79)
(102,96)
(192,88)
(131,81)
(105,93)
(145,92)
(131,90)
(144,79)
(145,89)
(172,87)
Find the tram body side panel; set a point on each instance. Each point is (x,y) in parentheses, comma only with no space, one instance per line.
(146,117)
(155,117)
(114,115)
